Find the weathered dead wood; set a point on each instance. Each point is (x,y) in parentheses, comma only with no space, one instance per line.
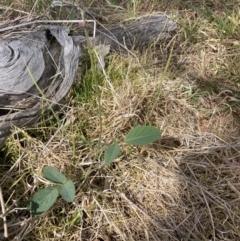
(38,67)
(139,33)
(36,72)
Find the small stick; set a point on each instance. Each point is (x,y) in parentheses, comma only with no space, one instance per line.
(3,214)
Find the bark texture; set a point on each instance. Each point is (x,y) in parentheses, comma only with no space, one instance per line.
(36,72)
(139,33)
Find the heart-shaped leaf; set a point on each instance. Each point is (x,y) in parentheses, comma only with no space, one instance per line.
(42,200)
(67,191)
(53,175)
(112,152)
(143,135)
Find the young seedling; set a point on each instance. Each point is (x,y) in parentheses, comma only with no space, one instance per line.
(46,197)
(139,136)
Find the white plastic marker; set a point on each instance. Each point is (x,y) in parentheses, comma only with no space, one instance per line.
(80,23)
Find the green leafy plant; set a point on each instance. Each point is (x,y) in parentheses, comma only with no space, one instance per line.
(46,197)
(139,136)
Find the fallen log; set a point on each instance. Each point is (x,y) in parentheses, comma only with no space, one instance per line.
(36,72)
(38,67)
(141,32)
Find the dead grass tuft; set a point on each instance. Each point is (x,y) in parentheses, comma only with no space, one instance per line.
(183,187)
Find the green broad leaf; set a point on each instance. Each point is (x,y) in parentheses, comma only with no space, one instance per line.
(143,135)
(112,152)
(42,200)
(53,175)
(67,191)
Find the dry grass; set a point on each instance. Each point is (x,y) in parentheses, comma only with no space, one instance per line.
(184,187)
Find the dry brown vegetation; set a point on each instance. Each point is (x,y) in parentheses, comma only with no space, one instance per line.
(184,187)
